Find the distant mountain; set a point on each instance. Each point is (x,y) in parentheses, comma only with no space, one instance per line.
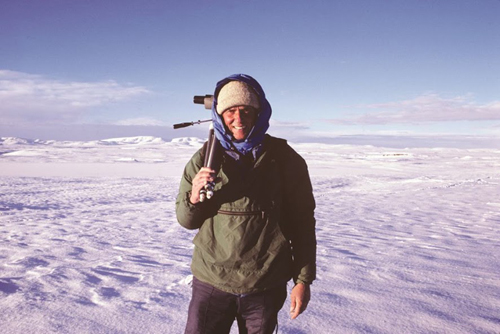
(18,141)
(140,140)
(188,141)
(132,140)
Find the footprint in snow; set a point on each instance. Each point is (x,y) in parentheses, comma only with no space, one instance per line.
(8,287)
(119,274)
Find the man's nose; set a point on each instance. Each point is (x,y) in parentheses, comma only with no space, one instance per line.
(237,115)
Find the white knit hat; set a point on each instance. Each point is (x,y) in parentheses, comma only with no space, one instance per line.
(236,93)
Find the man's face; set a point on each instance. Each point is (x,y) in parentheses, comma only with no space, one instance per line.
(240,120)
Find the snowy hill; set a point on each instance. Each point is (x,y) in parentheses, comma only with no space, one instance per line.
(18,141)
(132,140)
(141,140)
(97,157)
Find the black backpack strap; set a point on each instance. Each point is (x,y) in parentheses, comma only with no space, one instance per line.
(278,147)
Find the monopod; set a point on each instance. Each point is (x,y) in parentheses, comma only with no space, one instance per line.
(210,148)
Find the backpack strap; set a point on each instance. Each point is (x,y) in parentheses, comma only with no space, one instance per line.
(279,148)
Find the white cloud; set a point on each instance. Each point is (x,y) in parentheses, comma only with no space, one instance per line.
(427,108)
(28,98)
(289,125)
(144,121)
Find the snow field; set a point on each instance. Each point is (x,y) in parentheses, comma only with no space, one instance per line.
(408,239)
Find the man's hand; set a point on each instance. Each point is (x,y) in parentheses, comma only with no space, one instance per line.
(204,176)
(300,296)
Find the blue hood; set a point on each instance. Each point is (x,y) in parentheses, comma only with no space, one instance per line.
(256,135)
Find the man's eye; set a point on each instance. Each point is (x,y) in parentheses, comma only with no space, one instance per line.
(245,111)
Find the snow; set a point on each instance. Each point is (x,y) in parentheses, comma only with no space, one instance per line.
(408,239)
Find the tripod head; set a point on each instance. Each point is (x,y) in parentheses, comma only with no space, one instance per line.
(207,101)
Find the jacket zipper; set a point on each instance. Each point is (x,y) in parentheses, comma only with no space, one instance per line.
(243,213)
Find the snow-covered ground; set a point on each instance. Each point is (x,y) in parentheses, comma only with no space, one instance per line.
(408,239)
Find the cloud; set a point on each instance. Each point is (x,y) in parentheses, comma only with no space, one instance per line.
(425,109)
(289,125)
(28,98)
(143,121)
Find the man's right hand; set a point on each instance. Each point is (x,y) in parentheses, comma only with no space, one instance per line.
(204,176)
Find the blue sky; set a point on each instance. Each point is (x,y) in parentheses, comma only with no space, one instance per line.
(98,69)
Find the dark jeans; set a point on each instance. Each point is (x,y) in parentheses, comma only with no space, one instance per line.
(213,311)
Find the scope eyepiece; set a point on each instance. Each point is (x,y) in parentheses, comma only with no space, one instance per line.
(207,100)
(198,99)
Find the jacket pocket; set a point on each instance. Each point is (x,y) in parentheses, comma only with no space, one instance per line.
(241,240)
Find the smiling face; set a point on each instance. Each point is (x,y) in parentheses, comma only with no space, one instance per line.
(239,121)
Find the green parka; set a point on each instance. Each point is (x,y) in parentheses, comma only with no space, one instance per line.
(258,230)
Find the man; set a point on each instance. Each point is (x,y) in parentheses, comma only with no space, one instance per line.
(258,230)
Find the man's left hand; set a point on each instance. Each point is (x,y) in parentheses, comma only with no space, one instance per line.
(300,296)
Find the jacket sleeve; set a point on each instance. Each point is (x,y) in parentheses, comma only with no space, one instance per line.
(189,215)
(299,205)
